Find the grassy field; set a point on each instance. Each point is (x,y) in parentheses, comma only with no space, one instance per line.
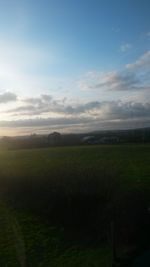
(38,185)
(131,161)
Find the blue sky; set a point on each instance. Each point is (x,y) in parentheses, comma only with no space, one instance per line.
(69,65)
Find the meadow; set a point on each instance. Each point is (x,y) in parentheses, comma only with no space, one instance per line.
(58,204)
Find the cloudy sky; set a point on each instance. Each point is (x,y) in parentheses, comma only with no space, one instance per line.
(74,65)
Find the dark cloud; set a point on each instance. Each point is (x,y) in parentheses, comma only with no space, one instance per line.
(125,110)
(92,116)
(79,109)
(34,106)
(39,100)
(44,122)
(104,109)
(134,77)
(119,81)
(7,97)
(45,104)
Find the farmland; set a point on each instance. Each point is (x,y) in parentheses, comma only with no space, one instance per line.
(131,160)
(57,203)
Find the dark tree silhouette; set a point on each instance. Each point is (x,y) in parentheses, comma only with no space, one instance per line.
(54,139)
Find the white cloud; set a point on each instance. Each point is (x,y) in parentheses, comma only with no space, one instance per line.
(142,62)
(134,77)
(113,81)
(116,29)
(125,47)
(148,34)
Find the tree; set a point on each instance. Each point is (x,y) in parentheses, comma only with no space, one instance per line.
(54,139)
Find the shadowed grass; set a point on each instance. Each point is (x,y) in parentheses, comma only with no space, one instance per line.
(71,195)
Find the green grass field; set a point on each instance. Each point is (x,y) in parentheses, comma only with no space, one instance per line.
(29,241)
(131,161)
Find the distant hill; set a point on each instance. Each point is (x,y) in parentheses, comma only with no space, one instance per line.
(141,135)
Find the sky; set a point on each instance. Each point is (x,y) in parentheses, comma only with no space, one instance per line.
(74,65)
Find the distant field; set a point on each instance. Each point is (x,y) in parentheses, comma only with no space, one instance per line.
(76,172)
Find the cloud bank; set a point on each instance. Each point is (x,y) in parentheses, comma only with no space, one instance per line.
(88,116)
(45,112)
(7,97)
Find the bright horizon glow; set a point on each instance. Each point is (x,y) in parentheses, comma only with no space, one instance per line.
(74,66)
